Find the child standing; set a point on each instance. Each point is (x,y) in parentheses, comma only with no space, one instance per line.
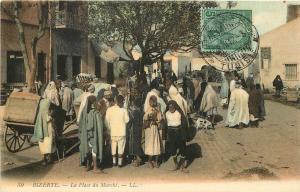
(176,123)
(152,119)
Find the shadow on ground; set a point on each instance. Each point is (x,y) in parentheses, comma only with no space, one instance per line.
(193,152)
(30,171)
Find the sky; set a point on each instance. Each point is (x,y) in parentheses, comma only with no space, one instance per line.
(266,15)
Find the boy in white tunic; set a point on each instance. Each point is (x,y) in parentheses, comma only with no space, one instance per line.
(116,119)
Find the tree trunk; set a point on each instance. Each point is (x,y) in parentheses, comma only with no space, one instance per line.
(162,69)
(21,37)
(32,76)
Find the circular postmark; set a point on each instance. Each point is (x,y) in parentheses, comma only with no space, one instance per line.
(229,41)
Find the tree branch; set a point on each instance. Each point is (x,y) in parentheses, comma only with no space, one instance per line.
(21,36)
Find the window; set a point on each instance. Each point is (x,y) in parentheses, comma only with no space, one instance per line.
(61,5)
(291,71)
(265,57)
(15,67)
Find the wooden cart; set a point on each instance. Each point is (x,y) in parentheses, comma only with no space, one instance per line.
(20,114)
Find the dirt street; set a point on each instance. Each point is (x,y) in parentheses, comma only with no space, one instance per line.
(271,151)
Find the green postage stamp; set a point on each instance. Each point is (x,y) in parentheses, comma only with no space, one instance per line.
(226,30)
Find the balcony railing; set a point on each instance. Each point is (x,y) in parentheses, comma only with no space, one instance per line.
(66,20)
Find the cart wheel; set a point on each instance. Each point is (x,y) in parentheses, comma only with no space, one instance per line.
(13,140)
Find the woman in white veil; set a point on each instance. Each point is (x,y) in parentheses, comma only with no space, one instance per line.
(51,93)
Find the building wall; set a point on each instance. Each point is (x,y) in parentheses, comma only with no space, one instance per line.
(70,43)
(65,41)
(91,62)
(27,13)
(10,42)
(285,48)
(197,64)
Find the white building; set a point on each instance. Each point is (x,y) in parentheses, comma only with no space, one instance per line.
(280,54)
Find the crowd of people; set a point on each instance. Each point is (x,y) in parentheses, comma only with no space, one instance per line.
(151,126)
(244,99)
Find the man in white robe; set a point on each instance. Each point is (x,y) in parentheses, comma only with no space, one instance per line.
(238,110)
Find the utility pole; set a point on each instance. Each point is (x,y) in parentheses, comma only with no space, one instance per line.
(49,72)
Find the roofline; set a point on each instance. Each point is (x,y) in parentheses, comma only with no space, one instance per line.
(281,26)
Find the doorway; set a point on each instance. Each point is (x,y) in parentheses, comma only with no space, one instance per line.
(76,65)
(61,66)
(110,73)
(98,67)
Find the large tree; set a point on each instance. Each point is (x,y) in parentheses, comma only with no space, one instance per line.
(153,27)
(12,10)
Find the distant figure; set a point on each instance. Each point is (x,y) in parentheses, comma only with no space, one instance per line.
(243,83)
(250,81)
(278,84)
(174,77)
(254,106)
(238,110)
(224,91)
(262,109)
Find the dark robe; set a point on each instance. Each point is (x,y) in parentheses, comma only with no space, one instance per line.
(249,82)
(95,132)
(100,94)
(277,83)
(174,77)
(262,109)
(197,102)
(135,131)
(254,103)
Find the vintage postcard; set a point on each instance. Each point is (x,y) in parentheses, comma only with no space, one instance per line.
(150,96)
